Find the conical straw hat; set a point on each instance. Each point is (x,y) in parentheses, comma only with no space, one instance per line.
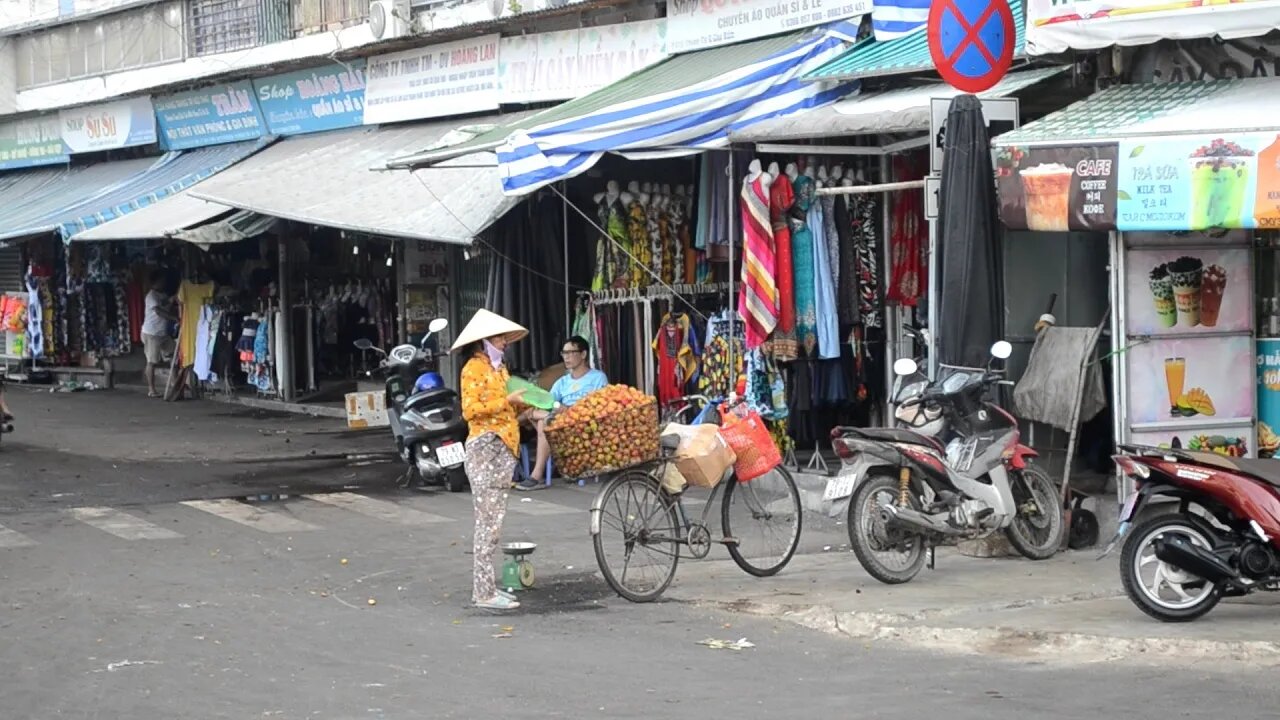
(485,325)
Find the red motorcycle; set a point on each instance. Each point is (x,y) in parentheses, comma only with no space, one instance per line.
(1221,542)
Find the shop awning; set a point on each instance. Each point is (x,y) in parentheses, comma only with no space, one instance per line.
(325,179)
(890,112)
(907,54)
(1151,110)
(242,225)
(94,195)
(157,221)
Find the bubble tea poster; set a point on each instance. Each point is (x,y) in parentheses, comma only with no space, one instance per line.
(1188,291)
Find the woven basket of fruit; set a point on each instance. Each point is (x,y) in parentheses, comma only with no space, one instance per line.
(610,429)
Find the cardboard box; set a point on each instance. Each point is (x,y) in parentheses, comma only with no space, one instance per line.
(703,456)
(367,409)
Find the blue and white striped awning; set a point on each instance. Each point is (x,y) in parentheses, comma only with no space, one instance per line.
(684,105)
(891,19)
(86,197)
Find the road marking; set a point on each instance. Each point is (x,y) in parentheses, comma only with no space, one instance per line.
(121,524)
(14,539)
(378,509)
(250,516)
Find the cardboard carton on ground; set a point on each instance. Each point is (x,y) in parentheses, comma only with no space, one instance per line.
(367,409)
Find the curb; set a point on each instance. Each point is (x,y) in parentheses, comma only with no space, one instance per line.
(1065,648)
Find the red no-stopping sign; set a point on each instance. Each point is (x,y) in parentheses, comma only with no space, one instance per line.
(971,42)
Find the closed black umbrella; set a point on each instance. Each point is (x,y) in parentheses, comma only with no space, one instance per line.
(970,277)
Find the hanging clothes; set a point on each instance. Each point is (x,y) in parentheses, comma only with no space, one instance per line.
(846,262)
(193,297)
(36,328)
(611,216)
(802,265)
(637,231)
(687,252)
(653,230)
(832,234)
(866,240)
(828,325)
(758,301)
(677,352)
(781,198)
(907,244)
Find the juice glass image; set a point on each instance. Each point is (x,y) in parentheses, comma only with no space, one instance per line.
(1162,296)
(1187,273)
(1212,285)
(1048,191)
(1175,375)
(1219,180)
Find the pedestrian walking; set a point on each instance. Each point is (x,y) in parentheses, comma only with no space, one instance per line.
(492,444)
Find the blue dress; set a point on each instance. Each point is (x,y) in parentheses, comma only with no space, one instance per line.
(828,320)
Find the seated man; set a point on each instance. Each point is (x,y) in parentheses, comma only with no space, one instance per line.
(579,381)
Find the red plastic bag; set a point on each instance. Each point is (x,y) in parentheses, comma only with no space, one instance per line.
(751,441)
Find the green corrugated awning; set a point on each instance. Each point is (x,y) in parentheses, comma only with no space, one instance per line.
(1129,111)
(907,54)
(669,75)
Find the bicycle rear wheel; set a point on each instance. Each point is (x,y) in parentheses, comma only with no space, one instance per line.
(637,535)
(762,519)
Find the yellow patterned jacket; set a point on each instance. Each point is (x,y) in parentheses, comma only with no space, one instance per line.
(484,402)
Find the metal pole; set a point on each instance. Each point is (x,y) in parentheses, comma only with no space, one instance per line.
(733,310)
(892,324)
(932,295)
(285,361)
(568,295)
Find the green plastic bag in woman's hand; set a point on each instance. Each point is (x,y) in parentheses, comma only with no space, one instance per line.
(534,396)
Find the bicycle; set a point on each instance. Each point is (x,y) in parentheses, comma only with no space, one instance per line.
(653,521)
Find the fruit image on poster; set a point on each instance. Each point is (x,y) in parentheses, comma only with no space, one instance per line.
(1236,441)
(1268,397)
(1191,381)
(1183,290)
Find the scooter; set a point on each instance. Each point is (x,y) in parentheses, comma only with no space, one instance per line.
(1223,540)
(954,469)
(425,416)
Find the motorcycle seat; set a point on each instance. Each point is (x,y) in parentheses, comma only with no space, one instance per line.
(1267,471)
(898,435)
(440,396)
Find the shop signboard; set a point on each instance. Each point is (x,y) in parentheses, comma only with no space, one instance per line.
(1190,383)
(1058,189)
(108,126)
(1000,114)
(1055,26)
(1268,397)
(437,81)
(1186,291)
(210,116)
(700,24)
(36,141)
(325,98)
(564,65)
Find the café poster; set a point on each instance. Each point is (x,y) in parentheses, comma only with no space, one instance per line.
(1186,290)
(1191,382)
(1057,189)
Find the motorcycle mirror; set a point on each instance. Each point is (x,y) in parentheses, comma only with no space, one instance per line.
(1001,350)
(438,325)
(905,366)
(363,344)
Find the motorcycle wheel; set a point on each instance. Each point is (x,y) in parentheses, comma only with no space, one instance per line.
(456,479)
(871,540)
(1188,596)
(1037,533)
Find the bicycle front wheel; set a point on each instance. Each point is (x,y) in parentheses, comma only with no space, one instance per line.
(637,535)
(761,520)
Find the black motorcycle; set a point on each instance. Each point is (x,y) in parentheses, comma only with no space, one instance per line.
(425,416)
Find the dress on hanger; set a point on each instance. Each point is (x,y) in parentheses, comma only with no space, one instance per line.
(866,240)
(824,295)
(653,229)
(849,288)
(675,220)
(833,244)
(639,234)
(608,270)
(802,265)
(781,198)
(758,301)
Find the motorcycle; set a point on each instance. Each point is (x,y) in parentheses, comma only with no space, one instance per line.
(426,417)
(954,469)
(1176,566)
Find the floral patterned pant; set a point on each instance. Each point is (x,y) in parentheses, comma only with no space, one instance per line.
(490,466)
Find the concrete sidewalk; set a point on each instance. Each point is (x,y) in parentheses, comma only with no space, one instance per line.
(1068,609)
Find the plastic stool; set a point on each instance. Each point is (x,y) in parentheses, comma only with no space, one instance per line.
(526,462)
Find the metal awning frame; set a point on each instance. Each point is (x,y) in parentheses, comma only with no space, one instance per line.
(889,148)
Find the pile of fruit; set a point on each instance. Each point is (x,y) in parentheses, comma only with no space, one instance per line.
(611,428)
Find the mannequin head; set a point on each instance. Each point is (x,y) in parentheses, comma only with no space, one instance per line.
(773,169)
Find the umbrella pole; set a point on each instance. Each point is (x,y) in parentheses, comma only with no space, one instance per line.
(931,296)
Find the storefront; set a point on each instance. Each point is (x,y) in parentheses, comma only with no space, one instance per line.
(1184,178)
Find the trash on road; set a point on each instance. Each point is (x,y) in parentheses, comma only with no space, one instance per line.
(740,644)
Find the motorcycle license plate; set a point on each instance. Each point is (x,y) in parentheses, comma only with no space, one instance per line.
(840,487)
(451,455)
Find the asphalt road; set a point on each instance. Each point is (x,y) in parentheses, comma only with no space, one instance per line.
(117,600)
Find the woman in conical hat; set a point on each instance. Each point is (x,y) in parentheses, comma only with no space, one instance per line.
(492,443)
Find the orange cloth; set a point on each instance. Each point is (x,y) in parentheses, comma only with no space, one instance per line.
(484,402)
(193,298)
